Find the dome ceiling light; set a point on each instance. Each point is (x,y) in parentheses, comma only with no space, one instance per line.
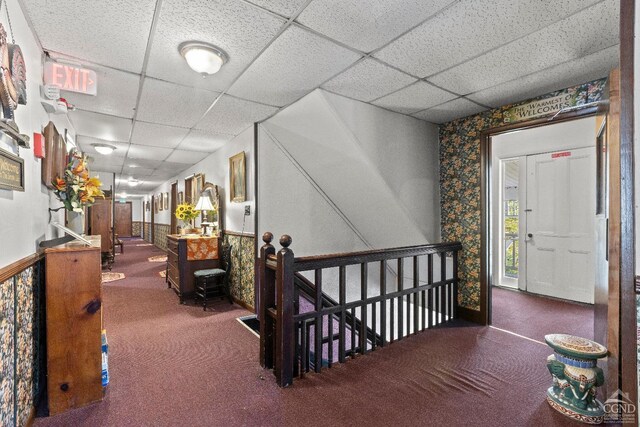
(105,149)
(133,182)
(203,58)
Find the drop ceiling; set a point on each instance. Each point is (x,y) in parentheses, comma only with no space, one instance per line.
(433,60)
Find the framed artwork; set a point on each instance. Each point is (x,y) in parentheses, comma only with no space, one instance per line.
(146,206)
(180,197)
(237,178)
(165,201)
(198,186)
(155,204)
(160,203)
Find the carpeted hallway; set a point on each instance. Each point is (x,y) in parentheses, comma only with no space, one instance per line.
(174,365)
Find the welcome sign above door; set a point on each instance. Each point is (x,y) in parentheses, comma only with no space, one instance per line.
(539,108)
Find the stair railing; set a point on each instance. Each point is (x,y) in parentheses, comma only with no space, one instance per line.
(291,341)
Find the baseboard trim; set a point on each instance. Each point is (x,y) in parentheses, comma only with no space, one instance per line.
(474,316)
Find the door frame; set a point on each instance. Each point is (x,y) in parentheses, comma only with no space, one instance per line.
(486,239)
(173,204)
(152,225)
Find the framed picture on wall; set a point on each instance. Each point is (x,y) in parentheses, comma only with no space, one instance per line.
(237,178)
(155,204)
(198,185)
(160,203)
(146,206)
(165,201)
(180,197)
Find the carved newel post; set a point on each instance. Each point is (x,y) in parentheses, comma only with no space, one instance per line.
(576,377)
(266,300)
(285,350)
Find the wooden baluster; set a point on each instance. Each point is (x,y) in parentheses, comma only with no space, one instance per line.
(308,332)
(331,338)
(444,306)
(343,313)
(303,348)
(267,294)
(318,323)
(285,349)
(363,308)
(373,325)
(430,291)
(401,299)
(353,332)
(383,303)
(454,302)
(416,283)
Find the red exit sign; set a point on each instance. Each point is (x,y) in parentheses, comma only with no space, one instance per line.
(71,78)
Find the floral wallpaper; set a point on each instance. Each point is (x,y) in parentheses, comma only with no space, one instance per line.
(242,272)
(460,183)
(136,228)
(147,232)
(160,232)
(21,351)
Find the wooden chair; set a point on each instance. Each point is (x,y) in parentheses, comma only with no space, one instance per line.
(119,243)
(214,280)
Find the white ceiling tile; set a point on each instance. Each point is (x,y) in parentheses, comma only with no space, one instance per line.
(232,115)
(136,172)
(368,80)
(448,111)
(293,65)
(239,29)
(86,145)
(367,25)
(117,93)
(142,152)
(470,28)
(189,157)
(157,135)
(414,98)
(209,142)
(170,104)
(579,71)
(581,34)
(101,126)
(142,162)
(283,7)
(110,32)
(173,167)
(102,170)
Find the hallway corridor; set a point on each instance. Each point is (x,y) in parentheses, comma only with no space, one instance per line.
(173,365)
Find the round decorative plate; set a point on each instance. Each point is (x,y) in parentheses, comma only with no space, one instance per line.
(571,345)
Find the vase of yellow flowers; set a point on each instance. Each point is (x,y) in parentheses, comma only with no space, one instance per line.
(187,213)
(76,190)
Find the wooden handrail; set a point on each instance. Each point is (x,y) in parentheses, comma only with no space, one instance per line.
(286,341)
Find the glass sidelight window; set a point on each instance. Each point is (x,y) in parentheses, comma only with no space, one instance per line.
(510,217)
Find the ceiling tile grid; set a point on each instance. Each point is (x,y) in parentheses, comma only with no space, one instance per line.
(117,93)
(187,157)
(157,135)
(470,28)
(101,126)
(231,115)
(588,68)
(171,104)
(108,32)
(581,34)
(239,29)
(369,26)
(368,80)
(141,152)
(459,107)
(414,98)
(293,65)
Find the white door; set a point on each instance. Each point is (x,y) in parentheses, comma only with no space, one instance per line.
(560,214)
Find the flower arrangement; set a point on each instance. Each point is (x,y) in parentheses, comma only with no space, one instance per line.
(76,189)
(186,212)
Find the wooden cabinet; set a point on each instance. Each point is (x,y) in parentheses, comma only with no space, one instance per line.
(73,295)
(185,255)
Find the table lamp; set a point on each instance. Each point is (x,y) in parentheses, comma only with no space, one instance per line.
(204,204)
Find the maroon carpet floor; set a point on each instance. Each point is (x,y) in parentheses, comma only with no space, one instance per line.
(175,365)
(535,316)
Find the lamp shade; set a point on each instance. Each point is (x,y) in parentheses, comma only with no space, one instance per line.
(204,204)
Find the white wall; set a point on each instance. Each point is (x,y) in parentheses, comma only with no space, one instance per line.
(25,214)
(216,170)
(340,175)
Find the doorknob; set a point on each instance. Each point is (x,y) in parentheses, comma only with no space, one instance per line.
(530,235)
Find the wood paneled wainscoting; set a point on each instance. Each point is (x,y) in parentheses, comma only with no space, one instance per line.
(22,338)
(241,282)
